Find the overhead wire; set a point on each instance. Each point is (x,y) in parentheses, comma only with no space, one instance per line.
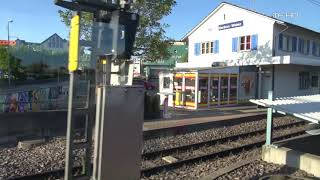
(314,2)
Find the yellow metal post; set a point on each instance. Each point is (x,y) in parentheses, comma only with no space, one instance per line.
(73,66)
(74,43)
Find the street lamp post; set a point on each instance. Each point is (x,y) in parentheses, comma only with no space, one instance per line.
(9,64)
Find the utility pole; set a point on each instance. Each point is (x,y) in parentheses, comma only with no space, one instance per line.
(8,46)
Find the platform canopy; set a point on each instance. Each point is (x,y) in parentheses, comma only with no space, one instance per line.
(303,107)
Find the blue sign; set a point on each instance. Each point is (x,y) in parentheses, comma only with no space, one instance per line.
(230,25)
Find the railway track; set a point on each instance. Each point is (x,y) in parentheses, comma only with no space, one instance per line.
(227,145)
(215,141)
(208,152)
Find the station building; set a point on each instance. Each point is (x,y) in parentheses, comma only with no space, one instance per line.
(236,54)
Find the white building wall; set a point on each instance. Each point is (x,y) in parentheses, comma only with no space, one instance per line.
(209,31)
(287,64)
(286,82)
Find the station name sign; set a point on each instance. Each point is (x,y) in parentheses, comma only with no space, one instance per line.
(230,25)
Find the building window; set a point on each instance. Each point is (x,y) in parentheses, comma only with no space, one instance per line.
(166,82)
(287,43)
(314,81)
(304,46)
(206,49)
(316,48)
(209,47)
(248,42)
(203,48)
(304,80)
(245,43)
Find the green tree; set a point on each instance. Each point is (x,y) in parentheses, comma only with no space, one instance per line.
(184,58)
(151,41)
(17,70)
(41,63)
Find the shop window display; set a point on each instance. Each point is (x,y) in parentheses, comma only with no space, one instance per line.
(203,91)
(233,87)
(214,94)
(224,89)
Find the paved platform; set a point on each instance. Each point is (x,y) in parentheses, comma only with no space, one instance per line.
(192,117)
(302,152)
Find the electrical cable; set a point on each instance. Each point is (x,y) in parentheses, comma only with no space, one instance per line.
(314,2)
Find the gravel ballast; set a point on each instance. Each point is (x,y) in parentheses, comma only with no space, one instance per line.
(260,169)
(195,137)
(50,156)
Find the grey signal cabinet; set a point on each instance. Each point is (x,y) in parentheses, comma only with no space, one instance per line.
(121,142)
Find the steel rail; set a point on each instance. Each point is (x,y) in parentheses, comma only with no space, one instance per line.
(222,153)
(152,154)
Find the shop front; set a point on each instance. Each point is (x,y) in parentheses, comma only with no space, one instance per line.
(205,88)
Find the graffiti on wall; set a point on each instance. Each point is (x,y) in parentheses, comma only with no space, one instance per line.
(11,103)
(50,98)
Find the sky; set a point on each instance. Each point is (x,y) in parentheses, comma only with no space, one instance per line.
(36,20)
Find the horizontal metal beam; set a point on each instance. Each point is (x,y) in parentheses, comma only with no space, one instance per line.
(87,7)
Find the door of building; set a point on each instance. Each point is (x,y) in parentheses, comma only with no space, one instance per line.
(266,84)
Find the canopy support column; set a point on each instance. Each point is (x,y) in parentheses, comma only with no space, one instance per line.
(269,120)
(209,90)
(196,91)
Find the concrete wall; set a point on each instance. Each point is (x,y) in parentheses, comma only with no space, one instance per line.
(209,31)
(15,126)
(284,156)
